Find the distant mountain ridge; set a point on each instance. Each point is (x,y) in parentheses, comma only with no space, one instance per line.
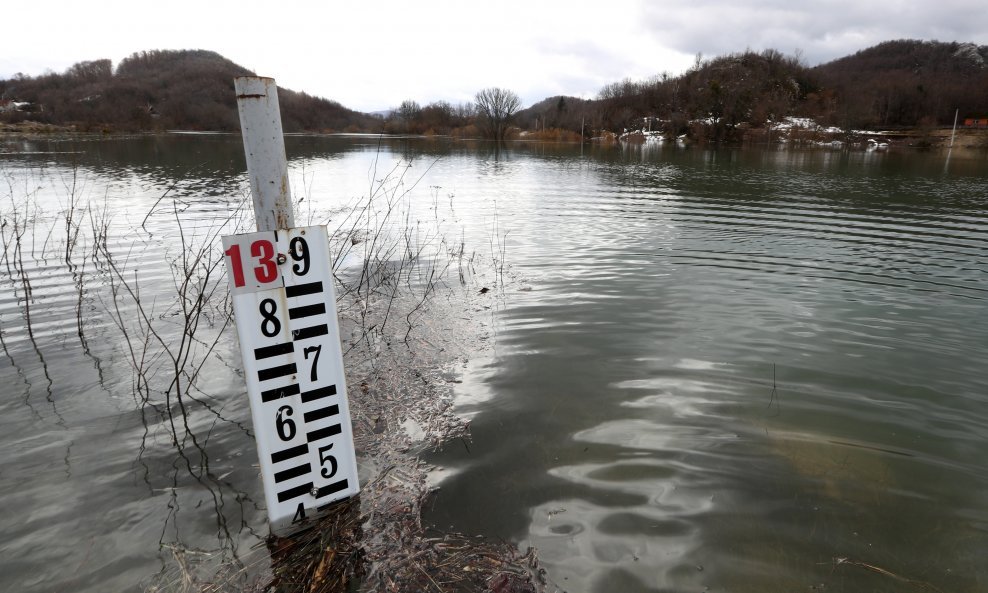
(908,82)
(895,84)
(914,56)
(161,90)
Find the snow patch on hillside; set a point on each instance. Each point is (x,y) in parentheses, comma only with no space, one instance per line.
(970,52)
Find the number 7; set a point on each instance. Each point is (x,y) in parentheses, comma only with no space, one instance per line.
(315,360)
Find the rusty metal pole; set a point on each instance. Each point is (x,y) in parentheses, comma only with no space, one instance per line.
(264,145)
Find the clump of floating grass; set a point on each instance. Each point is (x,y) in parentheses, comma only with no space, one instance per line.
(922,585)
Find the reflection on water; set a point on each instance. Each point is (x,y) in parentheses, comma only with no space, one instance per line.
(732,369)
(110,461)
(710,369)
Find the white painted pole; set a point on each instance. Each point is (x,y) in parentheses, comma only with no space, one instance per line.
(954,132)
(264,145)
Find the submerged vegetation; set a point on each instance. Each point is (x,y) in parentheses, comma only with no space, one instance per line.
(144,297)
(395,272)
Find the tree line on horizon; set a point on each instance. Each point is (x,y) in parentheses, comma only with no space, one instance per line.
(159,90)
(896,84)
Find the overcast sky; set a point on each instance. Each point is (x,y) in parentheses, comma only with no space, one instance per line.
(373,54)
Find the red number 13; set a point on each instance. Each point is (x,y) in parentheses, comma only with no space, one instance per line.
(264,252)
(265,272)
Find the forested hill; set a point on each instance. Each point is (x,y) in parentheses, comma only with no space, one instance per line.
(160,90)
(714,98)
(909,83)
(896,84)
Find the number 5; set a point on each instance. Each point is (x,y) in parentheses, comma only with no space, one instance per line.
(324,456)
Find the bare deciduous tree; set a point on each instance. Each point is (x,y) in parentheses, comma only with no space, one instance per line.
(495,109)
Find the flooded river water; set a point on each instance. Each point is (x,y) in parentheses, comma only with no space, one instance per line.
(702,369)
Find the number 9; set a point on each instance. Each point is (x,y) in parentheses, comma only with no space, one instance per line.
(299,250)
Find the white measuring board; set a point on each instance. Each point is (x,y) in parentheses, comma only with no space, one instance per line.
(285,307)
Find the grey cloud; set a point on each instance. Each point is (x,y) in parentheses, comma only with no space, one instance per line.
(822,30)
(597,60)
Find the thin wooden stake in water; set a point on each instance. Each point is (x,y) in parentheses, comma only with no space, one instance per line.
(954,133)
(264,145)
(950,149)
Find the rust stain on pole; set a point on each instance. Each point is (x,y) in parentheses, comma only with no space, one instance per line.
(285,217)
(264,146)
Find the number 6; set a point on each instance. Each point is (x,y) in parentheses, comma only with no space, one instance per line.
(284,424)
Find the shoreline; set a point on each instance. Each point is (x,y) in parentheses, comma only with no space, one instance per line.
(818,136)
(798,135)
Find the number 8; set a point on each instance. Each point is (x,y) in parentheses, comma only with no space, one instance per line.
(270,325)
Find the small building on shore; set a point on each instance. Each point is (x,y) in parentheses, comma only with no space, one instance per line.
(7,105)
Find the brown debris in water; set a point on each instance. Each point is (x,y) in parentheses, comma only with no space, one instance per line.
(404,317)
(376,541)
(323,558)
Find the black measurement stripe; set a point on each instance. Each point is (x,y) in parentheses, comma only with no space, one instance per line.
(289,453)
(306,311)
(293,472)
(323,433)
(310,332)
(331,488)
(280,392)
(314,394)
(275,372)
(303,289)
(269,351)
(321,413)
(294,492)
